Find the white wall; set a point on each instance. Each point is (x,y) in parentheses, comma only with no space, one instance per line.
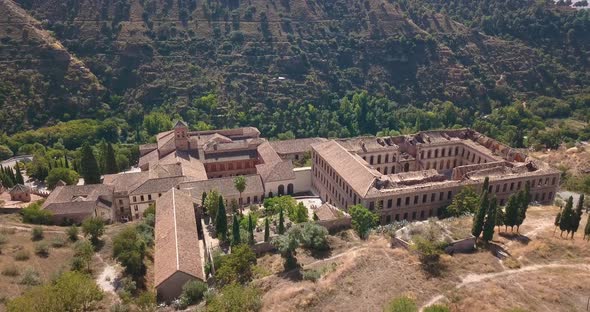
(302,179)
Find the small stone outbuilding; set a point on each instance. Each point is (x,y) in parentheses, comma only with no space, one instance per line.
(20,193)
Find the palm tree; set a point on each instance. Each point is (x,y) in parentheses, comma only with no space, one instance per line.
(240,184)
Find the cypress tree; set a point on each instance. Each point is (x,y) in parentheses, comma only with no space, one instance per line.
(478,218)
(488,229)
(236,232)
(203,198)
(565,222)
(580,206)
(89,166)
(557,220)
(499,218)
(486,185)
(110,160)
(19,176)
(66,160)
(522,208)
(266,230)
(281,222)
(221,220)
(12,175)
(587,229)
(250,229)
(512,211)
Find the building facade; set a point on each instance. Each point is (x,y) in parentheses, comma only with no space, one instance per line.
(413,177)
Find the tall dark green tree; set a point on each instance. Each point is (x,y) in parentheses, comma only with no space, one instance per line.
(499,218)
(587,229)
(512,208)
(486,185)
(565,222)
(18,178)
(479,217)
(281,223)
(203,198)
(522,208)
(580,205)
(250,229)
(221,220)
(266,230)
(89,166)
(557,220)
(490,223)
(236,239)
(66,162)
(110,165)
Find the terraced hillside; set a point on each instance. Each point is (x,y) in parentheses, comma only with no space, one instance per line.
(258,58)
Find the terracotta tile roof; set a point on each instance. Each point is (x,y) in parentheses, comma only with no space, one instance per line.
(148,158)
(126,182)
(19,188)
(273,167)
(176,237)
(225,186)
(350,168)
(158,185)
(327,212)
(295,146)
(79,198)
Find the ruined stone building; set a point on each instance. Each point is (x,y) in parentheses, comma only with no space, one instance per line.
(413,177)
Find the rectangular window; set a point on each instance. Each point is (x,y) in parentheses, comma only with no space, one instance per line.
(389,203)
(512,186)
(449,194)
(413,215)
(424,197)
(407,201)
(441,196)
(399,202)
(142,198)
(371,205)
(120,202)
(416,200)
(134,199)
(149,196)
(432,197)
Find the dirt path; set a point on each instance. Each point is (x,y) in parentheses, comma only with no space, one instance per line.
(106,279)
(477,278)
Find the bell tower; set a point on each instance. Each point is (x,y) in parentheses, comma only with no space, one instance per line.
(181,136)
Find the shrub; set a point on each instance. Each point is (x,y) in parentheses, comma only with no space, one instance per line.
(37,233)
(235,297)
(437,308)
(11,270)
(402,304)
(21,255)
(58,242)
(193,291)
(30,278)
(120,307)
(72,232)
(314,236)
(42,249)
(35,215)
(312,275)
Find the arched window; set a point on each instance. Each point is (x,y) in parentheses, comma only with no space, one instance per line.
(290,188)
(429,153)
(281,190)
(435,153)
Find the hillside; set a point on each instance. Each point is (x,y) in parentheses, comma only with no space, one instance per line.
(258,59)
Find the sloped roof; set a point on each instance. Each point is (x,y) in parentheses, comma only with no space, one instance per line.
(19,188)
(225,186)
(180,124)
(146,159)
(73,199)
(350,168)
(126,182)
(327,212)
(295,146)
(176,237)
(158,185)
(273,167)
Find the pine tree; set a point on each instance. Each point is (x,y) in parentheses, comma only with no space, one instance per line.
(89,166)
(221,220)
(266,230)
(488,229)
(110,165)
(565,222)
(478,218)
(512,211)
(236,231)
(250,229)
(281,223)
(19,176)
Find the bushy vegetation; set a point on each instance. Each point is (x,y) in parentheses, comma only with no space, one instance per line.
(76,292)
(362,220)
(35,215)
(402,304)
(236,297)
(237,266)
